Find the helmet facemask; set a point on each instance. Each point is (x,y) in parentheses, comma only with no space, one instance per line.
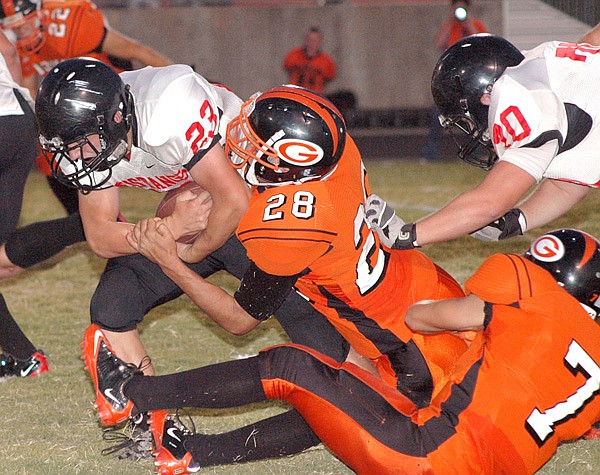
(246,149)
(474,143)
(74,165)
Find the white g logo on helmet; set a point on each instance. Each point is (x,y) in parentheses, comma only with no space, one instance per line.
(300,153)
(548,248)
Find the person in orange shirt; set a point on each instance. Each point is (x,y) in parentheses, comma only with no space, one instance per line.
(305,229)
(529,380)
(308,65)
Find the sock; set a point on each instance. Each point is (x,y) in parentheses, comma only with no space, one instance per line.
(37,242)
(281,435)
(223,385)
(12,338)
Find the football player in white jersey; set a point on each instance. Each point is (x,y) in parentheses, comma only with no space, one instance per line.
(154,128)
(531,117)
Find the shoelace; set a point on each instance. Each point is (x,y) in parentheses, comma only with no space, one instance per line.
(133,443)
(184,426)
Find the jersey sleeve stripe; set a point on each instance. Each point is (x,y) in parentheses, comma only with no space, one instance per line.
(271,238)
(287,230)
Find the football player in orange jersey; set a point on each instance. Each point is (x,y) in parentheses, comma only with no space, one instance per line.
(305,228)
(529,381)
(47,32)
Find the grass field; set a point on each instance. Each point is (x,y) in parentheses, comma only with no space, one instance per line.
(48,425)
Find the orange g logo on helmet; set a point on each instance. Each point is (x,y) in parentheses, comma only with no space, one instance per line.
(548,248)
(299,152)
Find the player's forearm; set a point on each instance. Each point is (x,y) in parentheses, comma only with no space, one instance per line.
(592,37)
(222,223)
(460,217)
(453,314)
(109,239)
(150,57)
(551,200)
(214,301)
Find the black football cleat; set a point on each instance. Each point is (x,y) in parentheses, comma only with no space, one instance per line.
(110,374)
(33,366)
(172,458)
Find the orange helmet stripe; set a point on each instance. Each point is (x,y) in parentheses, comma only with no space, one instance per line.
(590,248)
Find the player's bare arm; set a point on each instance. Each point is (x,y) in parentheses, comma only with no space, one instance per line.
(550,200)
(123,47)
(460,314)
(500,191)
(104,234)
(592,37)
(230,196)
(158,244)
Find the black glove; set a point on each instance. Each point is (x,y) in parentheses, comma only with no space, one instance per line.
(393,231)
(407,238)
(511,224)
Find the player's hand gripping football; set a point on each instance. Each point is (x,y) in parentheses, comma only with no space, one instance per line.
(393,231)
(190,216)
(511,224)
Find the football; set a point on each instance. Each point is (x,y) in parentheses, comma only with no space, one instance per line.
(167,206)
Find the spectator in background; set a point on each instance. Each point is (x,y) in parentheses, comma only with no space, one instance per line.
(18,136)
(308,65)
(460,23)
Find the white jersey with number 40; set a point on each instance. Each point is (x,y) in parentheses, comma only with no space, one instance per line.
(545,113)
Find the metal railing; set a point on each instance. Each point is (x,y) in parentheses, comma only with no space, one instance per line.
(587,11)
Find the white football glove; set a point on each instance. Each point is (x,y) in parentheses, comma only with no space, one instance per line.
(393,231)
(512,223)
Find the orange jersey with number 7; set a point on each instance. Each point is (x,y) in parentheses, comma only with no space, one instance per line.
(318,229)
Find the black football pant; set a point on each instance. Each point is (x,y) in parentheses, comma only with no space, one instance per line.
(132,285)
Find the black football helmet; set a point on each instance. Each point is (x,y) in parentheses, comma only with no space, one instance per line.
(84,113)
(464,73)
(287,134)
(573,259)
(25,23)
